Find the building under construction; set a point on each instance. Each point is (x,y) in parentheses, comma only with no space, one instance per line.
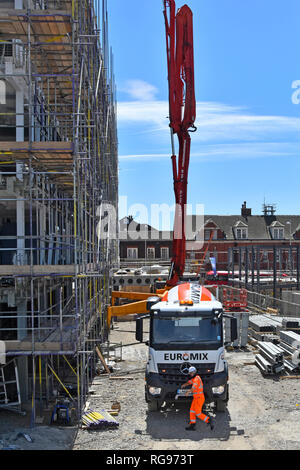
(58,166)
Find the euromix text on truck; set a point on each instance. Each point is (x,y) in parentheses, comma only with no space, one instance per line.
(186,329)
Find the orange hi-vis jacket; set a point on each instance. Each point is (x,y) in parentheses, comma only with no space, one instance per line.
(198,400)
(197,386)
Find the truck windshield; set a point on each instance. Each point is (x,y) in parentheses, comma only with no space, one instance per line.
(186,330)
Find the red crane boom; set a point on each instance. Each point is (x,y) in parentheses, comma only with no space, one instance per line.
(182,109)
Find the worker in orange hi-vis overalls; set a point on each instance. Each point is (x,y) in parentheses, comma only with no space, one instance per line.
(198,400)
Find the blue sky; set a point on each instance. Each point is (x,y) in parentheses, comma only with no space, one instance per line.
(247,145)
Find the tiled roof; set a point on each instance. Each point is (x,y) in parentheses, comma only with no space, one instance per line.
(258,226)
(136,231)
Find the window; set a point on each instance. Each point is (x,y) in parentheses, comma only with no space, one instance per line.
(7,110)
(2,92)
(207,234)
(164,252)
(223,277)
(132,253)
(278,233)
(241,233)
(186,330)
(6,49)
(150,252)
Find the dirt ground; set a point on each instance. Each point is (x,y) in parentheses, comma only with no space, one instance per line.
(42,437)
(263,413)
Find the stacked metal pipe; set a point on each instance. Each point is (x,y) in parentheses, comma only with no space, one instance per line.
(290,344)
(95,420)
(270,360)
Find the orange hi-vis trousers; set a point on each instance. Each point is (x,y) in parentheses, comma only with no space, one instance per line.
(196,409)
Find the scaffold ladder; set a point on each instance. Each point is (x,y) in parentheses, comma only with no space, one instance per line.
(3,390)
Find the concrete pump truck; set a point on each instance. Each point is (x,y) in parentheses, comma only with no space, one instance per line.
(186,322)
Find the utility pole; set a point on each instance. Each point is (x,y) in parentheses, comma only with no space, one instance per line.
(290,248)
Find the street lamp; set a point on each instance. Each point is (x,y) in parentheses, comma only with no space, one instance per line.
(290,250)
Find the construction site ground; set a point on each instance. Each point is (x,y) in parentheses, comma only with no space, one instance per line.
(263,413)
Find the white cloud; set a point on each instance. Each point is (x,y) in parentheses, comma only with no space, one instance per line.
(221,152)
(223,130)
(145,156)
(214,120)
(154,112)
(140,90)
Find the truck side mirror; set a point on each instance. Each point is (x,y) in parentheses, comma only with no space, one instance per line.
(233,329)
(152,301)
(139,330)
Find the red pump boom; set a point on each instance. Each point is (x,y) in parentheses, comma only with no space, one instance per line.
(182,109)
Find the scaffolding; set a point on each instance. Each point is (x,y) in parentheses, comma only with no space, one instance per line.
(265,267)
(58,164)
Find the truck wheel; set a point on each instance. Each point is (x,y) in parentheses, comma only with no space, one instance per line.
(153,406)
(169,404)
(221,405)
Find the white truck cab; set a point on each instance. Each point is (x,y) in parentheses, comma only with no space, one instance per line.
(186,328)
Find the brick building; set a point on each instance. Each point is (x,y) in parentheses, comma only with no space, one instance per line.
(227,232)
(246,230)
(141,242)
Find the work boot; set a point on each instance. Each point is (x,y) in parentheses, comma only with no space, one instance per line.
(211,423)
(191,427)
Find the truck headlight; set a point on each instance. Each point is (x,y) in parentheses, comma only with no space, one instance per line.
(218,390)
(154,390)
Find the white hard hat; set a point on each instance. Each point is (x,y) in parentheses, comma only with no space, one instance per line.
(192,370)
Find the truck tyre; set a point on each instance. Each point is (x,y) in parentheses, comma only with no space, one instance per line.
(221,405)
(153,406)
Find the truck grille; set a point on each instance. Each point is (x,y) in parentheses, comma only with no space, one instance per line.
(171,374)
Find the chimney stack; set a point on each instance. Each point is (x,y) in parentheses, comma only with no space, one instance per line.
(246,212)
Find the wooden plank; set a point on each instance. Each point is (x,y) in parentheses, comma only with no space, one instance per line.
(13,270)
(283,377)
(39,347)
(12,19)
(47,27)
(48,155)
(272,310)
(121,378)
(36,146)
(102,360)
(41,30)
(57,31)
(52,28)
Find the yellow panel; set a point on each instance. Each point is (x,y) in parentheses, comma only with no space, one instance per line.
(128,309)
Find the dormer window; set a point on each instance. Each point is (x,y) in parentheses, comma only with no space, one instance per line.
(278,233)
(208,233)
(240,230)
(241,233)
(277,230)
(210,230)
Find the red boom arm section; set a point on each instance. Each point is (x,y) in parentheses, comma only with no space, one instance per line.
(182,109)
